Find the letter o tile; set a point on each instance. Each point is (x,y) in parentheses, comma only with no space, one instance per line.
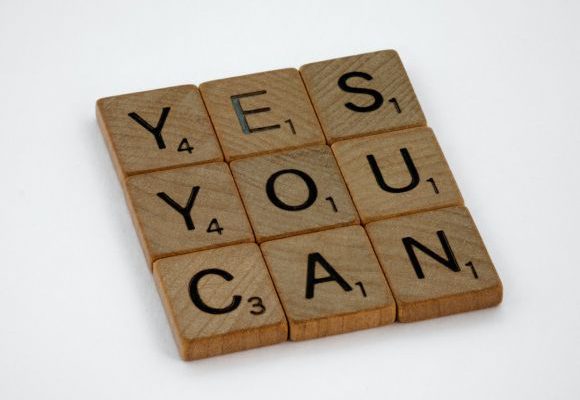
(293,192)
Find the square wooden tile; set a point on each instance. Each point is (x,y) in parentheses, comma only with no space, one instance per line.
(187,209)
(220,301)
(260,113)
(396,173)
(329,282)
(361,95)
(436,263)
(157,129)
(293,192)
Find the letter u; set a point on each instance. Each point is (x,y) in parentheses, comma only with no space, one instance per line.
(381,181)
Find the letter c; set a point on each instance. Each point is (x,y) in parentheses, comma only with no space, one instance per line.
(196,298)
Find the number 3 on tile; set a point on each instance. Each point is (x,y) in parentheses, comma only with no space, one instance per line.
(257,305)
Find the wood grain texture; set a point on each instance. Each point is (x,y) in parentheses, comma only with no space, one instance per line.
(384,74)
(407,173)
(269,100)
(164,231)
(312,208)
(134,149)
(441,291)
(254,319)
(332,307)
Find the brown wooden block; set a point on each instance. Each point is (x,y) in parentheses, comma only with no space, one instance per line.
(293,192)
(187,209)
(157,129)
(436,264)
(219,301)
(396,173)
(362,95)
(260,113)
(329,282)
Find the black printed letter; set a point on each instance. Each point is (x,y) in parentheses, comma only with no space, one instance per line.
(312,190)
(450,262)
(241,113)
(378,99)
(184,211)
(196,299)
(381,181)
(156,131)
(311,279)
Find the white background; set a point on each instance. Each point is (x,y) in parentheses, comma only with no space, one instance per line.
(79,314)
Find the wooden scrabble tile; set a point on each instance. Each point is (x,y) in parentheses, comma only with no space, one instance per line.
(260,113)
(219,301)
(293,192)
(436,264)
(157,129)
(361,95)
(329,282)
(187,209)
(396,173)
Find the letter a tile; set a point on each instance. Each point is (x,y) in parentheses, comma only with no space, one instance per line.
(157,129)
(260,113)
(293,192)
(187,209)
(396,173)
(362,95)
(219,301)
(436,264)
(329,282)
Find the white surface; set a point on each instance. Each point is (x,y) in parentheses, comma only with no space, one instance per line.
(79,314)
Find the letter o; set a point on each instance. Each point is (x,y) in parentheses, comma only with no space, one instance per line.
(312,190)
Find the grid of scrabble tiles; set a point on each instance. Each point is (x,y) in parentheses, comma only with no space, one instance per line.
(295,204)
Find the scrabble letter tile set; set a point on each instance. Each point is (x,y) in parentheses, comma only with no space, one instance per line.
(295,204)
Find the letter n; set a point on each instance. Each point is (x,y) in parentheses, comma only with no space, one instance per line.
(449,262)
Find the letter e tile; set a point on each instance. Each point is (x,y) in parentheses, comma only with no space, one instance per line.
(260,113)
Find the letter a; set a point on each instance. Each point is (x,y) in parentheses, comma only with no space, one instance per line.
(311,279)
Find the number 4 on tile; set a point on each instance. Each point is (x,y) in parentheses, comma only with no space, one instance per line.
(214,226)
(185,146)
